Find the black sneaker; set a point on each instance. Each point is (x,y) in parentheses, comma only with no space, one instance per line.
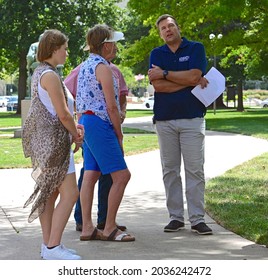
(202,229)
(174,225)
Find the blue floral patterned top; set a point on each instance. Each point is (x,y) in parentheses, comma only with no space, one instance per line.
(90,96)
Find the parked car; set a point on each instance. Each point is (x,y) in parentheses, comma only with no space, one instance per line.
(12,104)
(252,102)
(264,103)
(149,102)
(3,101)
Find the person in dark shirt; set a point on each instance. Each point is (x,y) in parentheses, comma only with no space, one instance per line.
(175,68)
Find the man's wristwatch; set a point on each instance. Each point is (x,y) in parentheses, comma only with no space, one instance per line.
(165,73)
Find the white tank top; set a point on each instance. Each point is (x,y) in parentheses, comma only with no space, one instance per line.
(45,98)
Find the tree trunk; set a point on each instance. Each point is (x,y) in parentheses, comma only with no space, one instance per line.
(240,106)
(22,79)
(219,103)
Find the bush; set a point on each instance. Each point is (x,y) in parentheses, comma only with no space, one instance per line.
(259,94)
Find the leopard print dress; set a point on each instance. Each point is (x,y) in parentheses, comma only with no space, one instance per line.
(46,141)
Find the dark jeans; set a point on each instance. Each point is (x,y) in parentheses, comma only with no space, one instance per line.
(105,183)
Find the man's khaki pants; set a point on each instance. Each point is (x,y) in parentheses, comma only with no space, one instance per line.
(183,139)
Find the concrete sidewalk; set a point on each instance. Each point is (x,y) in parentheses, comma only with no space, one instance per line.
(143,211)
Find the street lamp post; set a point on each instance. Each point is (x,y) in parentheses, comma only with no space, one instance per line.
(213,39)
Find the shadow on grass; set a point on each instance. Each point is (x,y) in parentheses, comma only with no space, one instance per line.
(6,115)
(250,122)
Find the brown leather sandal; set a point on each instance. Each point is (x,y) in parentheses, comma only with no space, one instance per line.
(96,235)
(122,237)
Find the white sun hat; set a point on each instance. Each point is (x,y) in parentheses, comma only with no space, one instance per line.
(116,36)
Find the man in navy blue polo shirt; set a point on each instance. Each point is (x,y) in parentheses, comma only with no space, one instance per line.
(175,68)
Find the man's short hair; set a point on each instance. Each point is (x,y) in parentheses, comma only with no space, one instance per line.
(163,17)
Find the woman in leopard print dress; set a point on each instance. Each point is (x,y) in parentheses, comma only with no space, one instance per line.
(48,133)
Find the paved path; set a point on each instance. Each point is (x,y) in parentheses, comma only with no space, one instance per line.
(143,211)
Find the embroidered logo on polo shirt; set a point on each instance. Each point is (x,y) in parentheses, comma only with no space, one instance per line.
(184,58)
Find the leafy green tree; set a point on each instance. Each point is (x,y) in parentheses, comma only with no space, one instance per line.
(22,21)
(134,30)
(243,24)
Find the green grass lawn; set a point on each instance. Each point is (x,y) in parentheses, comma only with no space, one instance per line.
(135,141)
(238,199)
(139,113)
(9,119)
(252,122)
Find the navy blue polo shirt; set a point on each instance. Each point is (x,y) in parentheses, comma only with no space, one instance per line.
(181,104)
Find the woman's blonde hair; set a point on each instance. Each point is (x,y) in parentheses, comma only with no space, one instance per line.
(96,36)
(50,41)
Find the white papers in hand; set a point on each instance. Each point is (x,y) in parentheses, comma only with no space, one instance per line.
(214,89)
